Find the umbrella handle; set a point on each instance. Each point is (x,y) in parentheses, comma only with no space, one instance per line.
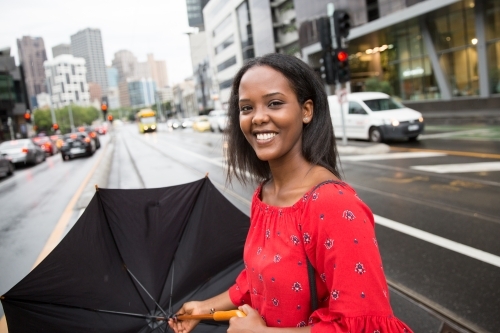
(217,316)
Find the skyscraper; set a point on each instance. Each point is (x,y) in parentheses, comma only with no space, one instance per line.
(87,44)
(126,63)
(195,13)
(31,56)
(61,49)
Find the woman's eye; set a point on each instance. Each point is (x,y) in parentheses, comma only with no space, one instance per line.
(275,103)
(245,108)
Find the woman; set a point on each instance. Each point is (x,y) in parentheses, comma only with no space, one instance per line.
(280,132)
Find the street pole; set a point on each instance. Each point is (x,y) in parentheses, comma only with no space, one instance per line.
(72,124)
(52,113)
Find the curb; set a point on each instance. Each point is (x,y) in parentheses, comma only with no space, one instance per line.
(100,176)
(379,148)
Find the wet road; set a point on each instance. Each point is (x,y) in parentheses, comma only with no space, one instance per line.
(436,231)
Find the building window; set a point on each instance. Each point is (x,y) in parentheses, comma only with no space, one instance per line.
(223,25)
(76,95)
(225,44)
(82,87)
(245,27)
(226,64)
(372,11)
(492,25)
(67,78)
(73,69)
(225,84)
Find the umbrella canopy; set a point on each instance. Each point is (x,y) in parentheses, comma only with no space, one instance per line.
(133,255)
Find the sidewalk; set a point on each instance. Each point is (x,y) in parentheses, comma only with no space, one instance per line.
(361,148)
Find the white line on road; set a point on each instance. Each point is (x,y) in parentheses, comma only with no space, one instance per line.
(452,134)
(390,156)
(439,241)
(459,168)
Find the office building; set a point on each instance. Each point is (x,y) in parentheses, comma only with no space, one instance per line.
(13,98)
(434,54)
(195,13)
(61,49)
(142,92)
(126,64)
(87,44)
(66,80)
(32,56)
(152,69)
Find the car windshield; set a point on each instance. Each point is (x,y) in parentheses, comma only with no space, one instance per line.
(383,104)
(148,120)
(13,144)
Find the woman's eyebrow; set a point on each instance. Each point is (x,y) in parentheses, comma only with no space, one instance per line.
(266,95)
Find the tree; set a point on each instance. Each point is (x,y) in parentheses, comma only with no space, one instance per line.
(374,84)
(82,115)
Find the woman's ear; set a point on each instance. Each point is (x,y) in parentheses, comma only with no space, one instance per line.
(307,111)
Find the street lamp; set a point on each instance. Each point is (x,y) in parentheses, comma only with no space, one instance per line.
(202,67)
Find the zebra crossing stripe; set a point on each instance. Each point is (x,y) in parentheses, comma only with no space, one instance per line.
(459,168)
(390,156)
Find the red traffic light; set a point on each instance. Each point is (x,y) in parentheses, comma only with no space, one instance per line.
(27,116)
(110,117)
(104,107)
(55,127)
(342,56)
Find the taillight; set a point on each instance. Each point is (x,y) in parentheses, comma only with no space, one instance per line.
(92,134)
(25,150)
(86,140)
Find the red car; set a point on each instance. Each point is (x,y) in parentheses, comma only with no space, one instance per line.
(47,145)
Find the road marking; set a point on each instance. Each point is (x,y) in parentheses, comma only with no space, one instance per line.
(459,168)
(439,241)
(449,152)
(390,156)
(452,134)
(58,231)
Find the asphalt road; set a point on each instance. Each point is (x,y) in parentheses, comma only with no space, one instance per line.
(437,232)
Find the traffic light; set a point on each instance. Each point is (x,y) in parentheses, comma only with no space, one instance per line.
(104,109)
(55,126)
(342,23)
(327,67)
(342,65)
(110,117)
(27,117)
(325,34)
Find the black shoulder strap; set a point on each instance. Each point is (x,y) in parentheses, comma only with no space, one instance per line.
(312,285)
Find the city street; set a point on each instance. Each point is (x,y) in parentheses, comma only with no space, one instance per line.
(435,204)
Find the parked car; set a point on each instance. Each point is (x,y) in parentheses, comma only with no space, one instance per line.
(92,133)
(77,144)
(218,120)
(187,122)
(201,124)
(47,145)
(6,166)
(376,117)
(22,151)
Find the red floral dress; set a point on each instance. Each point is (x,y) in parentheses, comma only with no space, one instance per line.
(335,229)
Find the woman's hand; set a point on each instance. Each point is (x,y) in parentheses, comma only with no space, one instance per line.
(252,323)
(186,326)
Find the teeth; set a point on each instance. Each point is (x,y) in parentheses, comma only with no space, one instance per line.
(265,136)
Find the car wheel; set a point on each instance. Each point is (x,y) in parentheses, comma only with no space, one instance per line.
(413,138)
(375,135)
(11,169)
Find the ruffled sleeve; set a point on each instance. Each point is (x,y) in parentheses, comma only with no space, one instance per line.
(239,292)
(339,237)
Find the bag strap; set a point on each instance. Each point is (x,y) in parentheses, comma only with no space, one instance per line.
(312,285)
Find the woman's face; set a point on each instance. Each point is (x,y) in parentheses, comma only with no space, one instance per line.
(271,117)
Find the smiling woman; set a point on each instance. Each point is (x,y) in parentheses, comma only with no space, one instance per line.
(311,257)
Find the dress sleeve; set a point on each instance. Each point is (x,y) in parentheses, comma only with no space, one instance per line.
(339,238)
(239,292)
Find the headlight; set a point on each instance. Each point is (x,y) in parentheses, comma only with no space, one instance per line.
(145,127)
(153,127)
(421,119)
(395,122)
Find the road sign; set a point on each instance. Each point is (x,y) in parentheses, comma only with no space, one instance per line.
(342,95)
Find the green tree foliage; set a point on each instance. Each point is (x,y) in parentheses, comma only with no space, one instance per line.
(375,84)
(82,116)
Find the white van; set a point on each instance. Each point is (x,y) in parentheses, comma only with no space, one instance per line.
(376,117)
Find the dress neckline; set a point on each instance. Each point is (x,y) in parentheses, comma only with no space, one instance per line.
(304,198)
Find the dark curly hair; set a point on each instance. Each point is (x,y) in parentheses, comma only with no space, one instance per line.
(318,140)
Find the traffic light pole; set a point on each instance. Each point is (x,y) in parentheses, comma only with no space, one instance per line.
(331,10)
(71,122)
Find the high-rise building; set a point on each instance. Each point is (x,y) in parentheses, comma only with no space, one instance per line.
(195,13)
(126,64)
(113,90)
(87,44)
(123,95)
(154,69)
(67,81)
(61,49)
(32,56)
(142,92)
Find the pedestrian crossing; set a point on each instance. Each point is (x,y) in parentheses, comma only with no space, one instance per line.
(436,168)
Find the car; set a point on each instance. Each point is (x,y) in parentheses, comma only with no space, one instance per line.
(22,151)
(376,117)
(218,120)
(174,123)
(92,133)
(201,124)
(187,122)
(6,166)
(58,139)
(101,130)
(47,145)
(77,144)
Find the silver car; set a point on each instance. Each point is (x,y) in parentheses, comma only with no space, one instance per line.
(22,151)
(6,166)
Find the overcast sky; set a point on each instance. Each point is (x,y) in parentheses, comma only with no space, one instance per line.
(141,26)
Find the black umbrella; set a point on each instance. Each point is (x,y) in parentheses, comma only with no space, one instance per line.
(133,256)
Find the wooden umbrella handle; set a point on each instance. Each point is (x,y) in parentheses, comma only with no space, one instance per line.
(217,316)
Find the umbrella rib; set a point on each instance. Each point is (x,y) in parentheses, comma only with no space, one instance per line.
(158,305)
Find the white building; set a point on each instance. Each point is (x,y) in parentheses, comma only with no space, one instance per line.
(43,100)
(66,80)
(229,41)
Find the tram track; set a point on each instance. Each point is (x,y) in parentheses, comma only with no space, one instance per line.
(451,322)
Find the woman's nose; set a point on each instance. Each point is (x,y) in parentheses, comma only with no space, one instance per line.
(260,116)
